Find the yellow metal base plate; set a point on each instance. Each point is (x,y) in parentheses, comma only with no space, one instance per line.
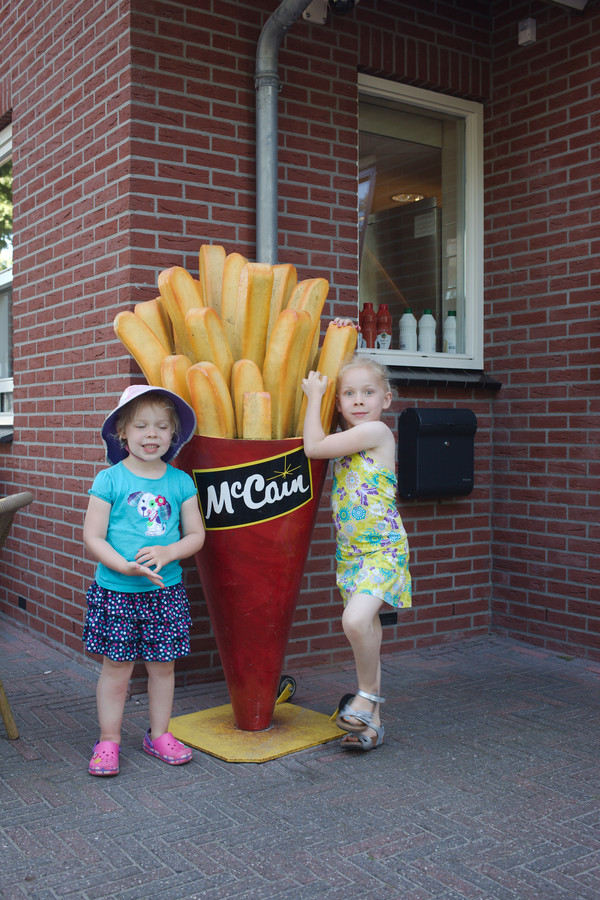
(214,731)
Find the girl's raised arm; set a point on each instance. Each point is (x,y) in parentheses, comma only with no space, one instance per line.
(371,436)
(318,445)
(314,386)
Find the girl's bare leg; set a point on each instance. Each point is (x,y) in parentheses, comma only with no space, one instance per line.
(161,685)
(111,693)
(362,627)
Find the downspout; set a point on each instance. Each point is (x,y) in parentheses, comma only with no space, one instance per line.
(267,86)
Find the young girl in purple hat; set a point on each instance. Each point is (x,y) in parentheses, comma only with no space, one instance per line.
(142,518)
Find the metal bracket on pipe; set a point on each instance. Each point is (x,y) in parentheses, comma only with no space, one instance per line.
(316,11)
(266,81)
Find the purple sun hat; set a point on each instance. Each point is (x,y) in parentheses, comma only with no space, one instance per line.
(115,452)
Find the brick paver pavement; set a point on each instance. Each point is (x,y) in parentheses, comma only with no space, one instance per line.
(487,788)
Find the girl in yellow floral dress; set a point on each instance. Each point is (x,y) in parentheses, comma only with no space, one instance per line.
(372,547)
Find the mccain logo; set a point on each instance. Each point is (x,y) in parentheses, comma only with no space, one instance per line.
(254,492)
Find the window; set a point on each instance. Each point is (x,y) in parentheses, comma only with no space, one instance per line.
(6,233)
(421,221)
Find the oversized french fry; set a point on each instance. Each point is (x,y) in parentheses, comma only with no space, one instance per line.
(180,293)
(313,362)
(285,279)
(234,263)
(329,408)
(256,418)
(309,295)
(154,315)
(142,343)
(314,352)
(338,344)
(210,400)
(173,371)
(252,312)
(207,338)
(281,371)
(246,377)
(211,261)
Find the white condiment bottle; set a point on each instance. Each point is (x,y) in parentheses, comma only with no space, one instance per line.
(408,332)
(449,332)
(426,342)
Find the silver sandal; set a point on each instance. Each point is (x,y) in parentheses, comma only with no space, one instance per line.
(364,742)
(366,718)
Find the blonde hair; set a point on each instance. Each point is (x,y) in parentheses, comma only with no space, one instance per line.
(366,362)
(128,413)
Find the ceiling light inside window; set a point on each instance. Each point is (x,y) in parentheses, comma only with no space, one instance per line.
(406,198)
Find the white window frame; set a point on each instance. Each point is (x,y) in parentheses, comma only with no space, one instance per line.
(472,114)
(6,277)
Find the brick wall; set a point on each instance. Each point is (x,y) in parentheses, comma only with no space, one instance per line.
(444,47)
(542,276)
(64,76)
(133,145)
(130,176)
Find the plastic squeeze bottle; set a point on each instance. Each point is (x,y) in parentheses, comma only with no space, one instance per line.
(426,340)
(368,324)
(408,332)
(449,332)
(384,328)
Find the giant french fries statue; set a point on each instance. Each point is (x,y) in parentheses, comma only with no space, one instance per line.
(236,343)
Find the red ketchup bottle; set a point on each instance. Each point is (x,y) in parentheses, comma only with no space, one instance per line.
(368,324)
(384,328)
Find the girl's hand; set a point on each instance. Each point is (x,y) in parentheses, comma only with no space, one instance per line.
(134,568)
(341,323)
(156,556)
(314,385)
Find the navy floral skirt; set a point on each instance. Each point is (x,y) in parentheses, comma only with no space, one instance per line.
(151,625)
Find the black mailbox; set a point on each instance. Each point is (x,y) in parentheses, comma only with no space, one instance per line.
(435,452)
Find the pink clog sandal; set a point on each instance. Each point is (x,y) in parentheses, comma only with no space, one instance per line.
(167,748)
(105,758)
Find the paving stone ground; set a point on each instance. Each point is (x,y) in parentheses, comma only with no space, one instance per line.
(487,788)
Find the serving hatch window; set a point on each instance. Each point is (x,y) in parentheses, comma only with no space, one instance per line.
(420,225)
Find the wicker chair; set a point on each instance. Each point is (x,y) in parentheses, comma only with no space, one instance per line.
(8,507)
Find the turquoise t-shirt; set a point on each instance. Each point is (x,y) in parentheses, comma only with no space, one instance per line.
(145,512)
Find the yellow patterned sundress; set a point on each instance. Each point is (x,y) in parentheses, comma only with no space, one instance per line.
(372,546)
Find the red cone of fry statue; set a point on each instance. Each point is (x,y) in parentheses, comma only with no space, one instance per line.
(259,500)
(235,344)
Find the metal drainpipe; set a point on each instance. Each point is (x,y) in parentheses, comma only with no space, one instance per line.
(267,86)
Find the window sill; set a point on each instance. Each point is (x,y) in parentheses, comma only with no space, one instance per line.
(421,376)
(6,434)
